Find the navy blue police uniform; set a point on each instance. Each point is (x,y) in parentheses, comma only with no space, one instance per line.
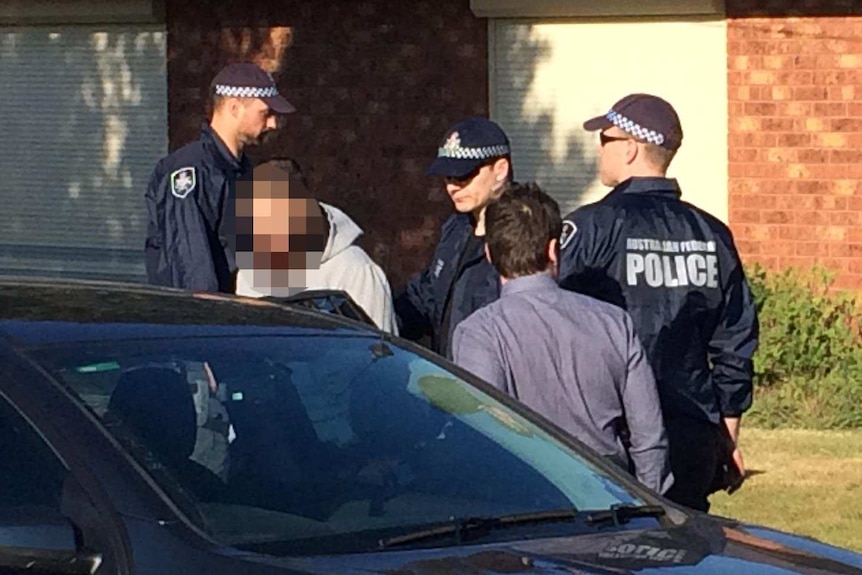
(460,279)
(191,238)
(676,270)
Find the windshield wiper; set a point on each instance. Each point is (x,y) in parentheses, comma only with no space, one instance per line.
(458,527)
(622,513)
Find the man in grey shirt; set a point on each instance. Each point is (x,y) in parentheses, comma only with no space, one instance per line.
(573,359)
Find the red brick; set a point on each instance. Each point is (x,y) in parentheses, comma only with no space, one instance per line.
(805,61)
(812,187)
(829,202)
(740,186)
(838,250)
(757,109)
(744,155)
(829,109)
(812,93)
(776,217)
(841,218)
(793,140)
(749,248)
(796,78)
(777,124)
(751,139)
(845,156)
(794,108)
(813,155)
(846,125)
(811,249)
(841,92)
(745,216)
(781,155)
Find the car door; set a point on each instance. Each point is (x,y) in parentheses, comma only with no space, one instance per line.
(47,520)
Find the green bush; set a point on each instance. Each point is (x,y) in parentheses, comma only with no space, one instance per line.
(808,367)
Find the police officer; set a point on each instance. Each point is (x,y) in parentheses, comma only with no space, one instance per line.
(475,161)
(676,270)
(190,240)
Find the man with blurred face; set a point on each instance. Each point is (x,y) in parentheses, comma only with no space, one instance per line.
(288,242)
(474,161)
(190,240)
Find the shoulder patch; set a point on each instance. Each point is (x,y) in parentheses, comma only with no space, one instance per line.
(183,181)
(569,230)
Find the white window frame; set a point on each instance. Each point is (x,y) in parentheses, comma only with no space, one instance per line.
(595,8)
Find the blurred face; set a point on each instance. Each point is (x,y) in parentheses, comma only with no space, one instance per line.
(254,119)
(473,192)
(285,235)
(616,152)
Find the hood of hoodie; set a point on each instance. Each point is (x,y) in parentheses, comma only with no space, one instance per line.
(343,232)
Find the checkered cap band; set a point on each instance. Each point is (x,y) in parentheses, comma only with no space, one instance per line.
(635,129)
(463,153)
(245,91)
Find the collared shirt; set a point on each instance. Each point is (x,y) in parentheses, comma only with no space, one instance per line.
(575,360)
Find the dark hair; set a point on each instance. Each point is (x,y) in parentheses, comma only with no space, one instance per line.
(519,225)
(290,166)
(658,156)
(293,169)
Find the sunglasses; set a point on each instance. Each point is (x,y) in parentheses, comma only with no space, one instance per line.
(605,139)
(462,180)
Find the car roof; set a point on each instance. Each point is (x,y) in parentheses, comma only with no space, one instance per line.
(88,309)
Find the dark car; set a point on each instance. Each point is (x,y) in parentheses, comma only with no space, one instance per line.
(154,431)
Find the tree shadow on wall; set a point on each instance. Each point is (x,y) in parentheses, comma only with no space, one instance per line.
(545,147)
(88,121)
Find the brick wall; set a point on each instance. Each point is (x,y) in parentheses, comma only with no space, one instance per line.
(376,84)
(795,135)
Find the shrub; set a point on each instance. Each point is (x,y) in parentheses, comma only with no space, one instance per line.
(808,367)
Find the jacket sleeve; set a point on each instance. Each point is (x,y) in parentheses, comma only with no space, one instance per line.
(586,249)
(414,307)
(185,257)
(476,349)
(649,443)
(733,344)
(370,289)
(154,243)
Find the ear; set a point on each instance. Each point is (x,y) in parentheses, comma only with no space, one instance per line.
(632,151)
(501,170)
(234,106)
(554,251)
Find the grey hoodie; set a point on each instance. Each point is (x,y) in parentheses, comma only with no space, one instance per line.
(344,266)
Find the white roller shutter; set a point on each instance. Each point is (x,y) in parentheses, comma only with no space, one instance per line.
(547,77)
(83,121)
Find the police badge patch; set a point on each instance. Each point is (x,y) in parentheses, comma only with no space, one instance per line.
(183,181)
(569,229)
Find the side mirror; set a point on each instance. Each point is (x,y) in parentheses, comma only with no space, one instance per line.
(34,538)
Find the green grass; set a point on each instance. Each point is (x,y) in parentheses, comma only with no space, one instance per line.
(805,482)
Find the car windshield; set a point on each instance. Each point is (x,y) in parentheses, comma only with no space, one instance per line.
(294,441)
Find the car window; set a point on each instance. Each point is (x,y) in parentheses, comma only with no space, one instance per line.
(32,475)
(317,442)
